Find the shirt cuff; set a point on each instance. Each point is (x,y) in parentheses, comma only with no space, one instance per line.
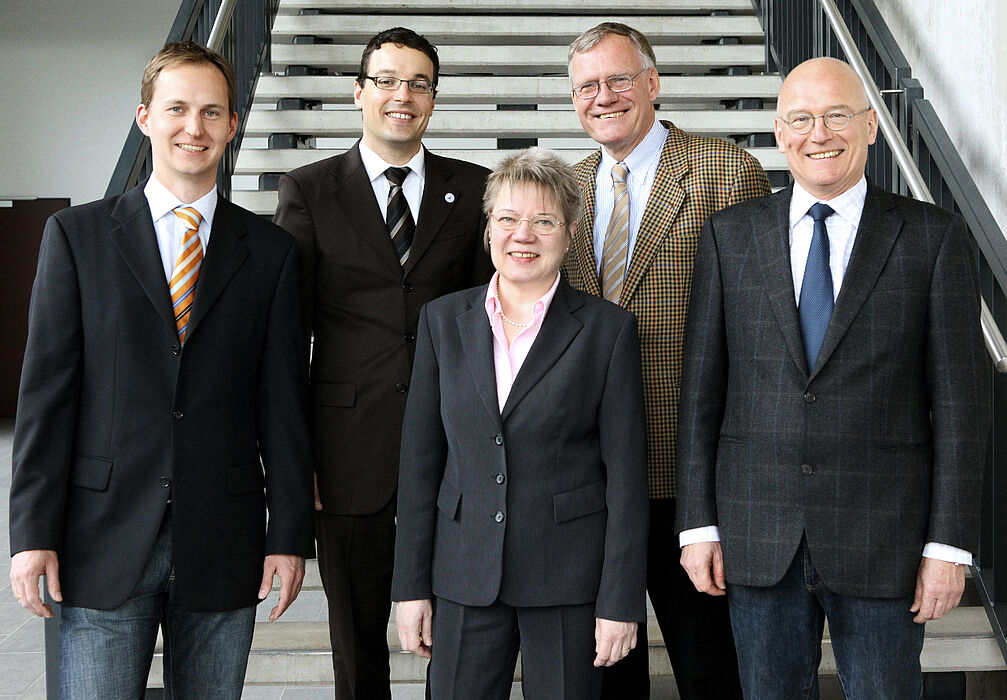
(946,552)
(710,533)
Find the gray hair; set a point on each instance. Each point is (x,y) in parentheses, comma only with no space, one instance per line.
(536,166)
(589,39)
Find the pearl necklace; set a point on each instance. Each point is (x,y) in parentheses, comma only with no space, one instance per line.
(503,315)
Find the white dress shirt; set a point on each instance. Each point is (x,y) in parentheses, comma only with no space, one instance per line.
(170,229)
(842,227)
(412,186)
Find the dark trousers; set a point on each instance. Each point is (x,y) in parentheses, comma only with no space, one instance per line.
(779,632)
(355,555)
(696,627)
(475,649)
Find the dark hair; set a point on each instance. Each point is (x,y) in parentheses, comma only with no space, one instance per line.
(179,53)
(400,36)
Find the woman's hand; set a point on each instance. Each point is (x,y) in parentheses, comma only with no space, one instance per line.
(612,640)
(414,618)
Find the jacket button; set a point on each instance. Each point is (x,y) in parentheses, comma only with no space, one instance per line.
(176,349)
(401,388)
(499,517)
(407,287)
(410,338)
(498,439)
(165,482)
(810,398)
(806,469)
(176,414)
(500,478)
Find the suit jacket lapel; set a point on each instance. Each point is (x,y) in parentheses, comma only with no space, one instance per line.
(876,235)
(582,248)
(666,197)
(477,343)
(134,237)
(438,199)
(772,240)
(352,186)
(225,253)
(559,328)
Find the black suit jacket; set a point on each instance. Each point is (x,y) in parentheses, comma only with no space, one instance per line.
(113,411)
(544,503)
(874,451)
(362,309)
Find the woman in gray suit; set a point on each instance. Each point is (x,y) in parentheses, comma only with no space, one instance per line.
(522,504)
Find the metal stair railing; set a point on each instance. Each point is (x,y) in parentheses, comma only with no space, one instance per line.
(240,31)
(914,155)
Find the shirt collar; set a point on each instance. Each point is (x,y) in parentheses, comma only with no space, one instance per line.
(849,205)
(376,166)
(646,151)
(538,309)
(161,201)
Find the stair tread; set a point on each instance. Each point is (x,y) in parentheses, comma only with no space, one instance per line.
(603,7)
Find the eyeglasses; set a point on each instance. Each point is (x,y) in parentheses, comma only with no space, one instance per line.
(802,122)
(417,86)
(541,225)
(617,83)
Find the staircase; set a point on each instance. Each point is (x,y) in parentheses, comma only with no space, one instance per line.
(503,81)
(504,85)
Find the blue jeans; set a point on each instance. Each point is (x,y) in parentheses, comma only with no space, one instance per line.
(107,653)
(778,635)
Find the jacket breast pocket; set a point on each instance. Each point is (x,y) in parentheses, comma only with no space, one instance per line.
(91,472)
(245,478)
(448,499)
(579,502)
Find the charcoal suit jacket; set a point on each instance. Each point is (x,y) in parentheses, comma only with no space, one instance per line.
(362,307)
(115,415)
(874,451)
(545,502)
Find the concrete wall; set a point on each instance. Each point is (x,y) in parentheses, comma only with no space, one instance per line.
(957,51)
(70,84)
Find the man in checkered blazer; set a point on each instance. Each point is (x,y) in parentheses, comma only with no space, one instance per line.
(674,182)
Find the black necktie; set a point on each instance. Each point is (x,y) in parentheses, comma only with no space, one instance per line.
(816,303)
(399,219)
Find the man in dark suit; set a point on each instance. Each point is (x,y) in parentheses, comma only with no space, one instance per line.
(157,383)
(832,429)
(382,229)
(642,259)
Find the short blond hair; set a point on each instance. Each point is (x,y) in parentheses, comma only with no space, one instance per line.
(178,53)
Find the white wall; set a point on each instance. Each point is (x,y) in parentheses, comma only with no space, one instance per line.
(957,51)
(70,84)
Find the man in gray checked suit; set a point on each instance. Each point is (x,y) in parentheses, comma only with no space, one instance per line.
(832,430)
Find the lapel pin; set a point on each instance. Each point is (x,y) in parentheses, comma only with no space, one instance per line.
(449,197)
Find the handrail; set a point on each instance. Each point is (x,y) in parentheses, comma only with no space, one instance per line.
(220,23)
(994,339)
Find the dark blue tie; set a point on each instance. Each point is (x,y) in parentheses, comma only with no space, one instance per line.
(816,302)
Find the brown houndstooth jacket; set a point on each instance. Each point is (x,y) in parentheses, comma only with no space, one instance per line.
(696,176)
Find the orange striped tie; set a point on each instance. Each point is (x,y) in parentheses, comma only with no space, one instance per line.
(186,274)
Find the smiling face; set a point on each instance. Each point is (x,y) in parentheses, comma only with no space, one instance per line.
(616,120)
(189,125)
(826,163)
(526,260)
(395,120)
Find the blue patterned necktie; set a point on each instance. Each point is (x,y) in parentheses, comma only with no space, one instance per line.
(399,218)
(816,303)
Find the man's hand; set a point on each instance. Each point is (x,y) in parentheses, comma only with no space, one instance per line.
(612,641)
(290,569)
(318,499)
(939,587)
(704,562)
(25,569)
(414,618)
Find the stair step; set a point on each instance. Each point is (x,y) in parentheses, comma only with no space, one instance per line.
(450,123)
(511,60)
(252,161)
(462,28)
(520,90)
(550,7)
